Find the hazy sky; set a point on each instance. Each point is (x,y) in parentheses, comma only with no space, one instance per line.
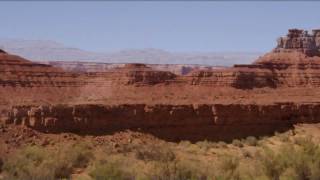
(174,26)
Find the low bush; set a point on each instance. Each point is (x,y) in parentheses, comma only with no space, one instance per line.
(222,144)
(251,141)
(35,162)
(30,163)
(272,165)
(300,162)
(74,156)
(185,143)
(155,153)
(79,155)
(175,170)
(206,145)
(246,154)
(104,170)
(237,143)
(284,137)
(227,169)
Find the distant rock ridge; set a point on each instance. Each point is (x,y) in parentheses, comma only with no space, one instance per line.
(2,51)
(301,40)
(277,91)
(288,65)
(42,50)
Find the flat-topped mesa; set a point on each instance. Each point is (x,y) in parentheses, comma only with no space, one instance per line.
(300,40)
(140,74)
(135,66)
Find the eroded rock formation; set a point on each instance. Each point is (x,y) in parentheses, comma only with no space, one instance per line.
(295,62)
(173,122)
(275,92)
(301,40)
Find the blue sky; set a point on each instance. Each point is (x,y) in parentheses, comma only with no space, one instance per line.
(174,26)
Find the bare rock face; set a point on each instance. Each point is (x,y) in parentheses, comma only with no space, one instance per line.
(301,40)
(16,71)
(138,74)
(172,122)
(295,62)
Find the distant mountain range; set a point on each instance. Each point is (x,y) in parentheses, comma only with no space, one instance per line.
(43,50)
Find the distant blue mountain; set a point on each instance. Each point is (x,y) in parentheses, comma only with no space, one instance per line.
(43,50)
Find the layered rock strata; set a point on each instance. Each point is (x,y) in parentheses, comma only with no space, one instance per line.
(172,122)
(301,40)
(295,62)
(231,101)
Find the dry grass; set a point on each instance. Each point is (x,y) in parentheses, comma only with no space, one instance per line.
(294,156)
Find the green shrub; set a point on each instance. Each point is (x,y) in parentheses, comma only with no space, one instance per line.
(175,170)
(228,168)
(204,144)
(303,161)
(104,170)
(237,143)
(251,141)
(230,164)
(246,154)
(79,155)
(284,137)
(271,164)
(75,156)
(35,162)
(185,143)
(30,163)
(155,153)
(222,144)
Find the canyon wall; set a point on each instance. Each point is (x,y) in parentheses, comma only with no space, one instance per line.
(278,90)
(172,122)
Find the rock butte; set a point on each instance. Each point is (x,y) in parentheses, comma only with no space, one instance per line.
(278,90)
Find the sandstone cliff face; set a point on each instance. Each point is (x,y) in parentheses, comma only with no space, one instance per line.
(173,122)
(139,74)
(240,78)
(295,62)
(18,72)
(302,41)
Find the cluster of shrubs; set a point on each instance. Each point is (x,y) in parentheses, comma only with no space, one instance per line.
(250,141)
(35,162)
(294,160)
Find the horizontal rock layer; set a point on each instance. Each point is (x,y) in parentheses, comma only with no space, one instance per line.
(172,122)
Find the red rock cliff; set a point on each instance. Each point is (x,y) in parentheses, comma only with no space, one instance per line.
(173,122)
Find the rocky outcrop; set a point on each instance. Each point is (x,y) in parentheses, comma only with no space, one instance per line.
(19,72)
(173,122)
(295,62)
(301,40)
(137,74)
(240,78)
